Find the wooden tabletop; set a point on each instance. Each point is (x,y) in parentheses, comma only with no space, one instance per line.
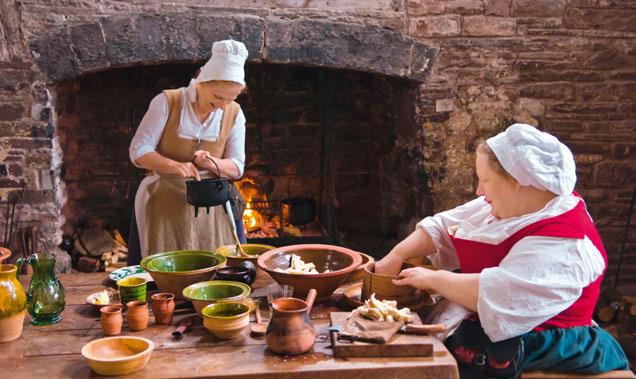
(54,350)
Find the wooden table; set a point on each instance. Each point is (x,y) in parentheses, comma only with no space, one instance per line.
(54,350)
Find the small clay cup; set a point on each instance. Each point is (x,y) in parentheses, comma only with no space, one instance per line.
(137,315)
(163,307)
(111,319)
(131,289)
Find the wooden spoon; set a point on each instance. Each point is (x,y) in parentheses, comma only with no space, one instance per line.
(259,328)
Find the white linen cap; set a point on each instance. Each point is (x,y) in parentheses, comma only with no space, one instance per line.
(535,158)
(226,62)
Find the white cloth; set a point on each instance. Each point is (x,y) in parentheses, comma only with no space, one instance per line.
(538,279)
(154,121)
(535,158)
(226,62)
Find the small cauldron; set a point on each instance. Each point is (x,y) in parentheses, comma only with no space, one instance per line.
(208,192)
(299,210)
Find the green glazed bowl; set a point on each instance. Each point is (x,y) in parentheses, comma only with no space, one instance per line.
(131,289)
(172,271)
(227,319)
(210,292)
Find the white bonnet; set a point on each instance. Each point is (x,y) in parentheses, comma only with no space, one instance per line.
(535,158)
(226,62)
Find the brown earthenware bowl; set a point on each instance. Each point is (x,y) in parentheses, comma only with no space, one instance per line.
(384,288)
(340,262)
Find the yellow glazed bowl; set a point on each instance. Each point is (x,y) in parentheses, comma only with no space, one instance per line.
(120,355)
(226,320)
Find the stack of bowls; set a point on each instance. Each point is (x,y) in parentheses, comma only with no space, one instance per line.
(173,271)
(252,251)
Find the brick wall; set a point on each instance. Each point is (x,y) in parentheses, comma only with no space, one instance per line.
(567,66)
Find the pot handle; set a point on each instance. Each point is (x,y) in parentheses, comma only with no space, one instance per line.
(215,165)
(311,296)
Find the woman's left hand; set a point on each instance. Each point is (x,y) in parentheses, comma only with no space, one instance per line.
(418,277)
(202,160)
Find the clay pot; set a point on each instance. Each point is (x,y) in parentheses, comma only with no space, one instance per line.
(137,315)
(14,301)
(163,307)
(290,330)
(111,319)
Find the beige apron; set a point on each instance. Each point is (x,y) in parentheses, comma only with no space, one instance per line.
(168,221)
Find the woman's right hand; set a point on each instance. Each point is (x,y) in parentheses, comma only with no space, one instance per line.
(185,170)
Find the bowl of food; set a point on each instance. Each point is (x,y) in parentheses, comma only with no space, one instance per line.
(173,271)
(120,355)
(206,293)
(109,296)
(323,267)
(367,261)
(226,319)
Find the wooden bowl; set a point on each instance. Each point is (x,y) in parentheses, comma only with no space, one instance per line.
(358,274)
(120,355)
(338,260)
(384,289)
(175,270)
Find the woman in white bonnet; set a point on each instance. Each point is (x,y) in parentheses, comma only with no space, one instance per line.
(520,266)
(181,133)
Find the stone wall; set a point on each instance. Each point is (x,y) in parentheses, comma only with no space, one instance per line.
(564,65)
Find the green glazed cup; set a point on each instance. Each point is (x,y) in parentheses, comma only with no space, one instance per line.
(132,289)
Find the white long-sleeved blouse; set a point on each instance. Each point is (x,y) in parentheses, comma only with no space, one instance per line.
(154,121)
(538,279)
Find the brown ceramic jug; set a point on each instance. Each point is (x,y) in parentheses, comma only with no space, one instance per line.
(137,315)
(290,331)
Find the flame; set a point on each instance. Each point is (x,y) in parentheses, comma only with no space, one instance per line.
(252,219)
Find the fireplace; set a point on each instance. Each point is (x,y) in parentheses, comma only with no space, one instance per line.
(332,136)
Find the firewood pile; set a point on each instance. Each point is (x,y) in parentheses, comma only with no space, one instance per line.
(97,249)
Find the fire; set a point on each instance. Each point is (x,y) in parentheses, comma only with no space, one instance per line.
(252,219)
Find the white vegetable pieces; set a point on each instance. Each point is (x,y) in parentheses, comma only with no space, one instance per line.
(299,267)
(383,310)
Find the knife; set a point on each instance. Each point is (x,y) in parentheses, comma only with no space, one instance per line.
(423,328)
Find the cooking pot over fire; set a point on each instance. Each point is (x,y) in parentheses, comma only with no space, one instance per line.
(208,192)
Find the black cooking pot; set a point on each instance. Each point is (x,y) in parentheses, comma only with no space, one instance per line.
(207,193)
(299,210)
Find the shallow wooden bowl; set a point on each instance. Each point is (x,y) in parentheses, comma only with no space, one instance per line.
(367,261)
(120,355)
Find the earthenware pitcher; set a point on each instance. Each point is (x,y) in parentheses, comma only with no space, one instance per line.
(12,304)
(290,330)
(45,295)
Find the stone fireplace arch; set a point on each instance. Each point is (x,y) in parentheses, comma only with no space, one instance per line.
(142,39)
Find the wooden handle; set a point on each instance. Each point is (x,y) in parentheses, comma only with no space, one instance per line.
(257,314)
(311,296)
(424,329)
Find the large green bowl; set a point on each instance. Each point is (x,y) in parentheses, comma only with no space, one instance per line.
(172,271)
(210,292)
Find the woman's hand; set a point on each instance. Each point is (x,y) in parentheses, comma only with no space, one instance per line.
(185,170)
(202,159)
(418,277)
(389,265)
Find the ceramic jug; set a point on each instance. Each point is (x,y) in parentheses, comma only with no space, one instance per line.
(13,304)
(45,295)
(290,330)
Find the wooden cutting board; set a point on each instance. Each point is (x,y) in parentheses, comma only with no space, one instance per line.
(401,345)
